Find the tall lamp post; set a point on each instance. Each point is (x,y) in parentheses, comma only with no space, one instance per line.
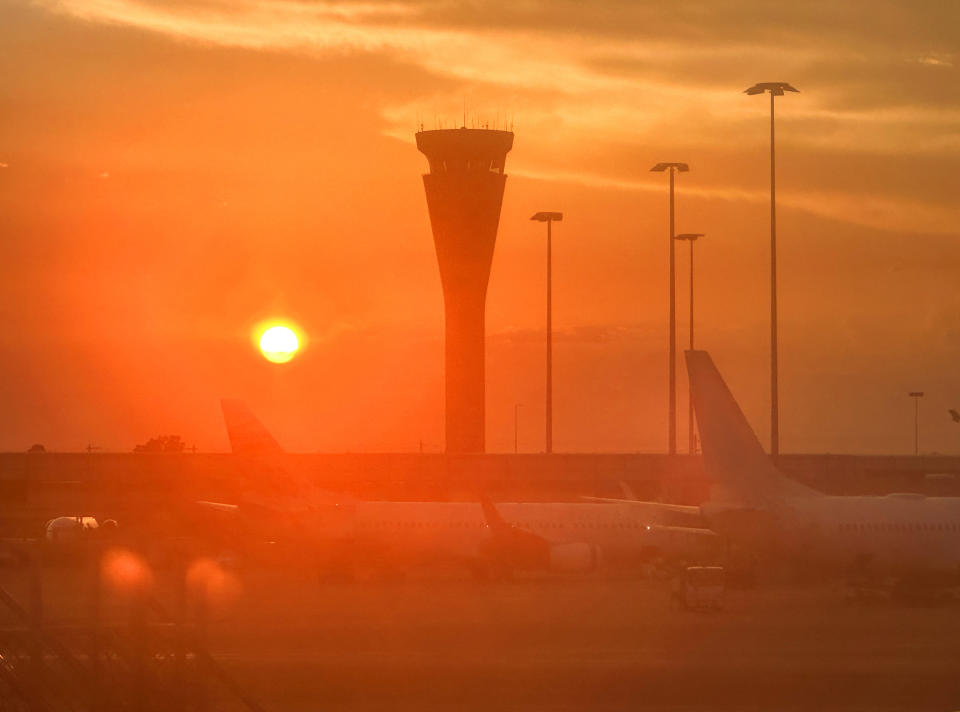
(916,395)
(549,218)
(775,89)
(673,169)
(691,237)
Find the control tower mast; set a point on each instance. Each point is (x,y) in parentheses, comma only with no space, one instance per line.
(464,193)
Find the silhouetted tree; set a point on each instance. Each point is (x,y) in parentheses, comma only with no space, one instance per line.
(37,447)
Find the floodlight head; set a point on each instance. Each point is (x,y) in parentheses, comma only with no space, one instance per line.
(692,236)
(681,167)
(775,88)
(547,217)
(916,394)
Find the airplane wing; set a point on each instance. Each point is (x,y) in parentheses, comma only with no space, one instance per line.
(659,512)
(220,507)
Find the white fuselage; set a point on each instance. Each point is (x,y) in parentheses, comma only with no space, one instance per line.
(458,530)
(895,532)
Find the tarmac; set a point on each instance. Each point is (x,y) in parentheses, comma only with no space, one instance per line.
(598,642)
(582,644)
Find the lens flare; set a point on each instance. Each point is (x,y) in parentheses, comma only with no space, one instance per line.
(209,580)
(279,344)
(125,571)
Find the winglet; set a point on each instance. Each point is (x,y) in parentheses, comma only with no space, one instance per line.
(628,492)
(247,434)
(492,515)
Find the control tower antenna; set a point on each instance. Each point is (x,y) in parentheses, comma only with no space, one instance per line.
(464,194)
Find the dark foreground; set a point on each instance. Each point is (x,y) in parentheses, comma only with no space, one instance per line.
(571,644)
(583,644)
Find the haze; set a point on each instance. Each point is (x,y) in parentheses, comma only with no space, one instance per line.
(173,174)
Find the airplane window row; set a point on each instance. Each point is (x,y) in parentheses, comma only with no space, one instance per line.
(899,527)
(524,525)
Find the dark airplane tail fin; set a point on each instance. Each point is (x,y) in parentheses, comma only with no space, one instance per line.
(247,434)
(734,459)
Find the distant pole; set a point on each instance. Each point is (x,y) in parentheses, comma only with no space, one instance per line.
(691,237)
(549,434)
(672,435)
(775,89)
(691,445)
(516,428)
(672,169)
(549,218)
(774,338)
(916,395)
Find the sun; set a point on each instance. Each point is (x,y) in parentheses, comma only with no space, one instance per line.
(279,344)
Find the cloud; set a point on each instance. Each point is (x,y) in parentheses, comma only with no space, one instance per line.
(586,335)
(882,213)
(943,60)
(574,74)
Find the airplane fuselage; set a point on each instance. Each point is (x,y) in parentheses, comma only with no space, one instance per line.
(405,531)
(897,533)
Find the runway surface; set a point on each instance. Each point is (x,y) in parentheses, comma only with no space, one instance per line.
(582,644)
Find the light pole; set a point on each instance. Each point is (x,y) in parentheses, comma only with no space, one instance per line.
(516,427)
(549,218)
(916,395)
(691,237)
(776,89)
(672,168)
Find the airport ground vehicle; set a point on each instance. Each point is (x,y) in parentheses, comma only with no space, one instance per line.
(700,588)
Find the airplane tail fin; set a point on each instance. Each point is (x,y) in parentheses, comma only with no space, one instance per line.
(734,459)
(247,434)
(267,481)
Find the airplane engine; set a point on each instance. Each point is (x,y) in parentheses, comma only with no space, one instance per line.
(573,558)
(62,530)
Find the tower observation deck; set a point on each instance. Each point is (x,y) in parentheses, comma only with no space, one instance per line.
(464,193)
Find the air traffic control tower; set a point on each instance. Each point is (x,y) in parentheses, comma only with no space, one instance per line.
(464,192)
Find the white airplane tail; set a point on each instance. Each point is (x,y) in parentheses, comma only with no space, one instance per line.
(739,469)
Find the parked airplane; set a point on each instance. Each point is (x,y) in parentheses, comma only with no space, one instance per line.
(758,507)
(490,539)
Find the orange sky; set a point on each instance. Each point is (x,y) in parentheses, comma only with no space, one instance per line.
(172,173)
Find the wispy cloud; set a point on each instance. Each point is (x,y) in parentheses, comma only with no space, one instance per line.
(876,212)
(940,60)
(571,75)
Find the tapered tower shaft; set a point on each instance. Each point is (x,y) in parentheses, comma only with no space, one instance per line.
(464,193)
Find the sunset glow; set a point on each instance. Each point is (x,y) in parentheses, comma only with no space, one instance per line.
(187,169)
(431,354)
